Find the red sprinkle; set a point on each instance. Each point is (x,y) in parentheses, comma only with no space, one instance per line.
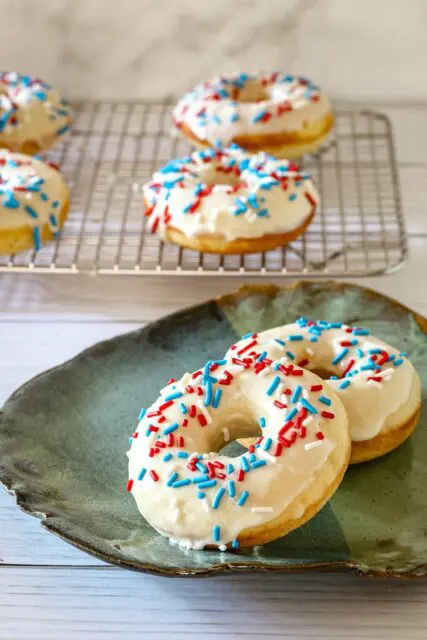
(196,374)
(202,420)
(161,419)
(320,436)
(199,391)
(154,475)
(280,405)
(278,450)
(327,414)
(180,441)
(153,429)
(248,346)
(350,364)
(170,381)
(375,378)
(171,440)
(304,362)
(240,475)
(316,387)
(218,464)
(302,432)
(185,422)
(189,389)
(129,485)
(288,425)
(165,405)
(251,449)
(192,411)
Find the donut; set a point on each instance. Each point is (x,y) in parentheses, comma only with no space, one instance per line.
(287,116)
(226,201)
(33,116)
(33,202)
(378,386)
(198,496)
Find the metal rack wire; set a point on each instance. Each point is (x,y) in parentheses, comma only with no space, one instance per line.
(115,147)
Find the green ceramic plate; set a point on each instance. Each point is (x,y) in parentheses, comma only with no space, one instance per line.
(63,438)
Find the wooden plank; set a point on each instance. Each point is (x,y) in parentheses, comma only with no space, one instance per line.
(112,603)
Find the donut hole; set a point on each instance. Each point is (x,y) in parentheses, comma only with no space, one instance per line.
(217,174)
(323,373)
(229,434)
(252,92)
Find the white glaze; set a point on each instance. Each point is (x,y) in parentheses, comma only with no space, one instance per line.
(371,406)
(273,488)
(30,110)
(225,119)
(262,204)
(32,193)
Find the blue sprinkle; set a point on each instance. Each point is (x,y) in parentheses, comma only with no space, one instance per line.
(183,408)
(182,454)
(217,498)
(10,202)
(142,473)
(247,335)
(244,464)
(201,495)
(142,413)
(41,95)
(313,339)
(374,351)
(333,378)
(344,384)
(277,365)
(62,130)
(235,544)
(259,116)
(281,342)
(296,394)
(234,117)
(342,354)
(368,367)
(231,489)
(221,362)
(244,496)
(167,457)
(173,427)
(292,197)
(262,356)
(32,212)
(181,483)
(199,479)
(398,362)
(53,222)
(208,396)
(173,396)
(217,398)
(361,332)
(230,468)
(259,463)
(296,338)
(36,238)
(325,400)
(216,533)
(403,353)
(55,204)
(392,357)
(359,353)
(292,413)
(172,479)
(44,196)
(201,467)
(252,458)
(273,386)
(335,325)
(268,444)
(290,355)
(308,406)
(208,484)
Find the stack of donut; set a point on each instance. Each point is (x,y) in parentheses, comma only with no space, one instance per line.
(33,194)
(241,193)
(305,428)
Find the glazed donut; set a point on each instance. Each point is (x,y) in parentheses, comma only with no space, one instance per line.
(378,386)
(33,202)
(33,116)
(226,201)
(284,115)
(198,497)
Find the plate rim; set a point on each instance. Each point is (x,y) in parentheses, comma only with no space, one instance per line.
(23,499)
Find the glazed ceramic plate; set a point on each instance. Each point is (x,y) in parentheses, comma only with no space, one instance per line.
(63,438)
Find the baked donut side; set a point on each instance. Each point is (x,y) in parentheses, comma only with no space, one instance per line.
(198,496)
(226,201)
(34,202)
(377,384)
(281,114)
(33,114)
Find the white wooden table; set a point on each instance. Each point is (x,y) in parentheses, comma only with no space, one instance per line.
(50,590)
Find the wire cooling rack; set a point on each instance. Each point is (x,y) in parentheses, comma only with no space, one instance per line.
(115,147)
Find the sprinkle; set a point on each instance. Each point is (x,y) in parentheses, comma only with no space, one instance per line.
(217,398)
(129,485)
(208,484)
(182,454)
(344,384)
(201,495)
(231,488)
(292,197)
(217,498)
(272,388)
(262,422)
(316,387)
(240,476)
(327,414)
(268,444)
(216,533)
(174,396)
(360,332)
(244,464)
(172,479)
(307,405)
(296,394)
(208,397)
(398,362)
(262,509)
(235,544)
(258,463)
(243,497)
(181,483)
(325,400)
(342,354)
(360,353)
(198,479)
(312,445)
(171,428)
(292,413)
(230,468)
(290,355)
(167,457)
(154,475)
(142,473)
